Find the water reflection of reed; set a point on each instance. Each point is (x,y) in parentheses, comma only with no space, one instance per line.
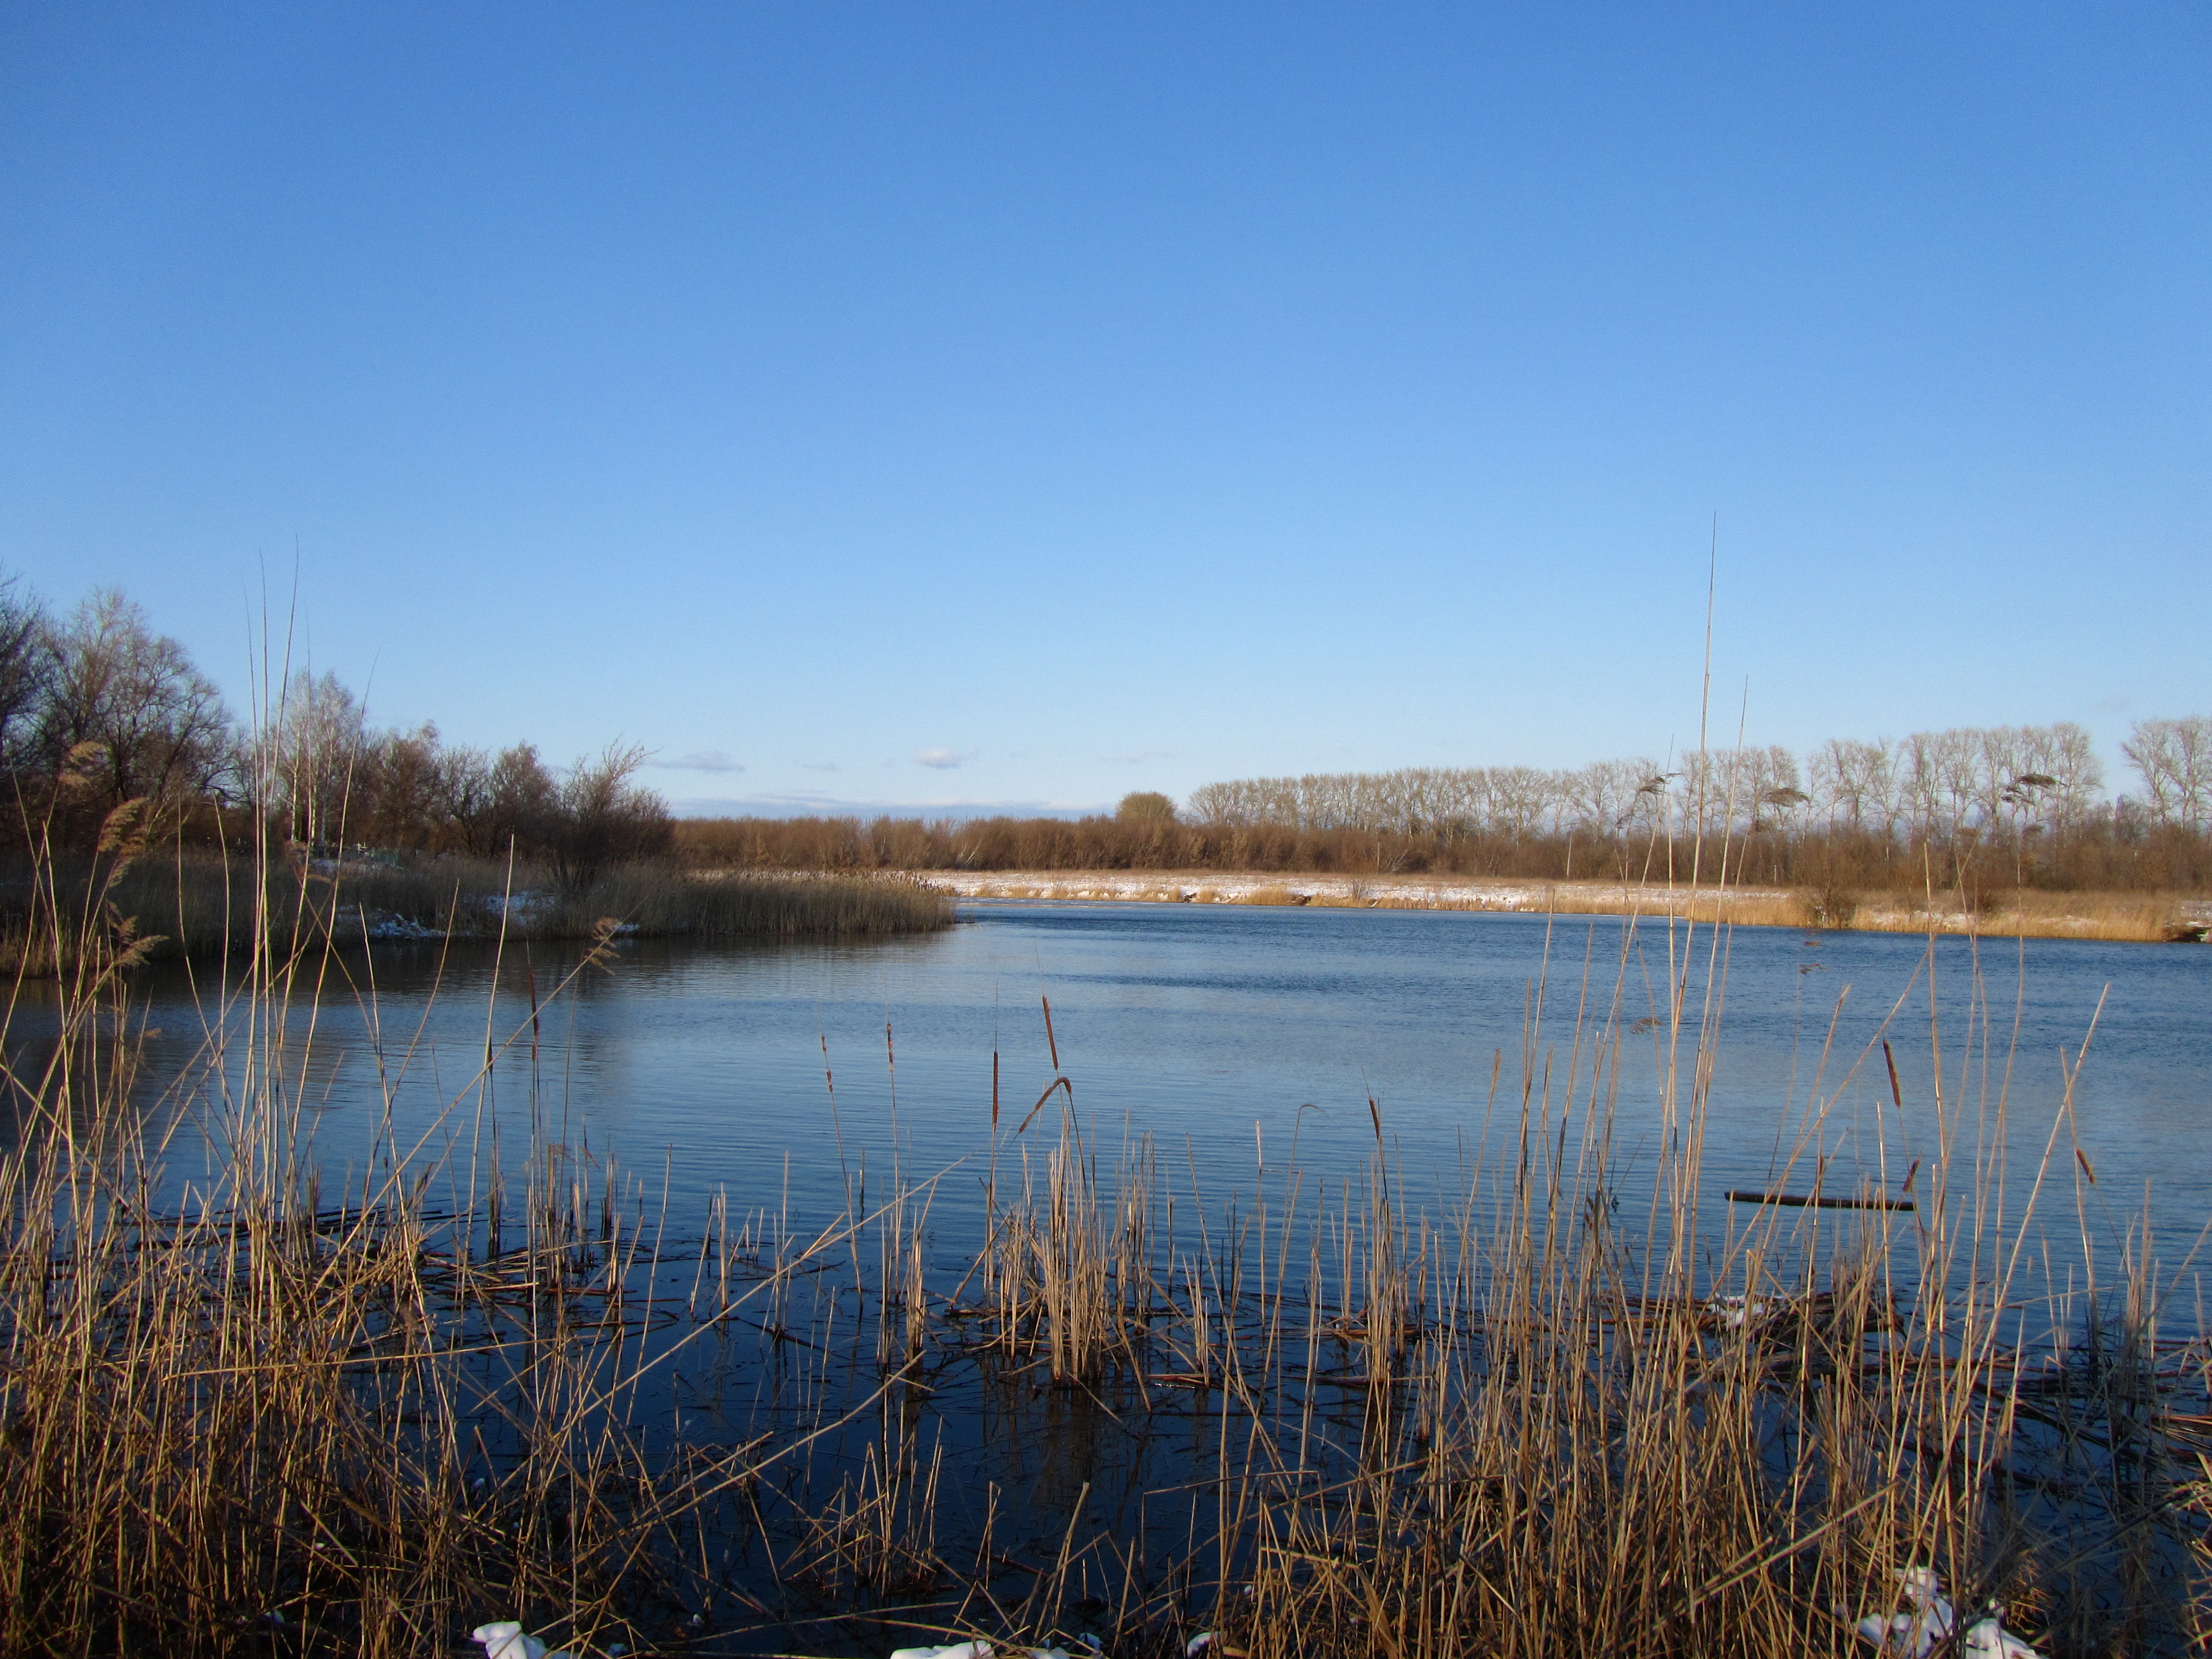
(1518,1415)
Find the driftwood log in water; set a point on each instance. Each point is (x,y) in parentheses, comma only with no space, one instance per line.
(1817,1200)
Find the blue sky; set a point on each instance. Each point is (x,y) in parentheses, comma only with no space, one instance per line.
(1024,405)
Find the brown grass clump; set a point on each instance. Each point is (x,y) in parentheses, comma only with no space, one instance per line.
(1272,895)
(2027,914)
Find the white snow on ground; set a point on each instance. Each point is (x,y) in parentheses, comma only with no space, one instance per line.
(352,922)
(1426,892)
(1398,892)
(518,906)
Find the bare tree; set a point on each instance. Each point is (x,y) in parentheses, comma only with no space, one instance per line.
(321,733)
(1603,797)
(26,670)
(1147,805)
(400,787)
(605,818)
(126,714)
(2174,759)
(524,798)
(1519,796)
(466,790)
(1854,785)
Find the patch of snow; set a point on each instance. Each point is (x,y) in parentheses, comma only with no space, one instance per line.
(355,921)
(508,1640)
(1928,1618)
(1734,1311)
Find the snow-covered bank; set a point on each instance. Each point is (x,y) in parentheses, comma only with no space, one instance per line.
(1422,892)
(2079,916)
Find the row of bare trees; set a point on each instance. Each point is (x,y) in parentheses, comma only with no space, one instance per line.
(1989,807)
(1933,784)
(2174,759)
(98,709)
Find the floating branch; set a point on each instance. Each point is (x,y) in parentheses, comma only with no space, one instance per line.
(1817,1200)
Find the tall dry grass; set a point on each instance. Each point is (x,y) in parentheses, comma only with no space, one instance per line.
(1547,1402)
(195,903)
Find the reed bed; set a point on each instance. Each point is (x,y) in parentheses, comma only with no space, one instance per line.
(198,903)
(1543,1403)
(2153,918)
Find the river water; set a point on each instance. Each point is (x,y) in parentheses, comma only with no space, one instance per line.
(1246,1041)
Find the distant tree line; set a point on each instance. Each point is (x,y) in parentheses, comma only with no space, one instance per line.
(1982,806)
(99,712)
(1972,782)
(1933,783)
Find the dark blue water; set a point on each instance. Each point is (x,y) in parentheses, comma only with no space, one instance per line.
(1212,1029)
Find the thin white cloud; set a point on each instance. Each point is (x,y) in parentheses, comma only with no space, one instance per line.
(819,766)
(813,803)
(702,760)
(943,760)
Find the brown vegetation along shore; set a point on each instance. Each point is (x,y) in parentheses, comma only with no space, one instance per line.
(2113,853)
(2148,918)
(196,904)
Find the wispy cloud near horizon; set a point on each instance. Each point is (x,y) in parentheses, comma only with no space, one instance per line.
(809,804)
(943,760)
(702,760)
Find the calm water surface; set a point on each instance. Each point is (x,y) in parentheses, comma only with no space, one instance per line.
(1212,1028)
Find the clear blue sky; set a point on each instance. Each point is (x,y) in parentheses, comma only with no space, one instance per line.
(1092,397)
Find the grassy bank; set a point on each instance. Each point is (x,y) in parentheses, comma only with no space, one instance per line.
(2148,918)
(1542,1406)
(198,903)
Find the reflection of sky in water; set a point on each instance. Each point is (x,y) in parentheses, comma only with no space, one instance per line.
(1196,1023)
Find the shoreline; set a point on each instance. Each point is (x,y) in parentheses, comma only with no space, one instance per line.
(2146,919)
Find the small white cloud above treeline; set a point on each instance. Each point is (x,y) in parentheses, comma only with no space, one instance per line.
(811,805)
(702,760)
(942,759)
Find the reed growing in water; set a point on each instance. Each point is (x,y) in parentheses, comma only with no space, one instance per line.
(1540,1410)
(194,902)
